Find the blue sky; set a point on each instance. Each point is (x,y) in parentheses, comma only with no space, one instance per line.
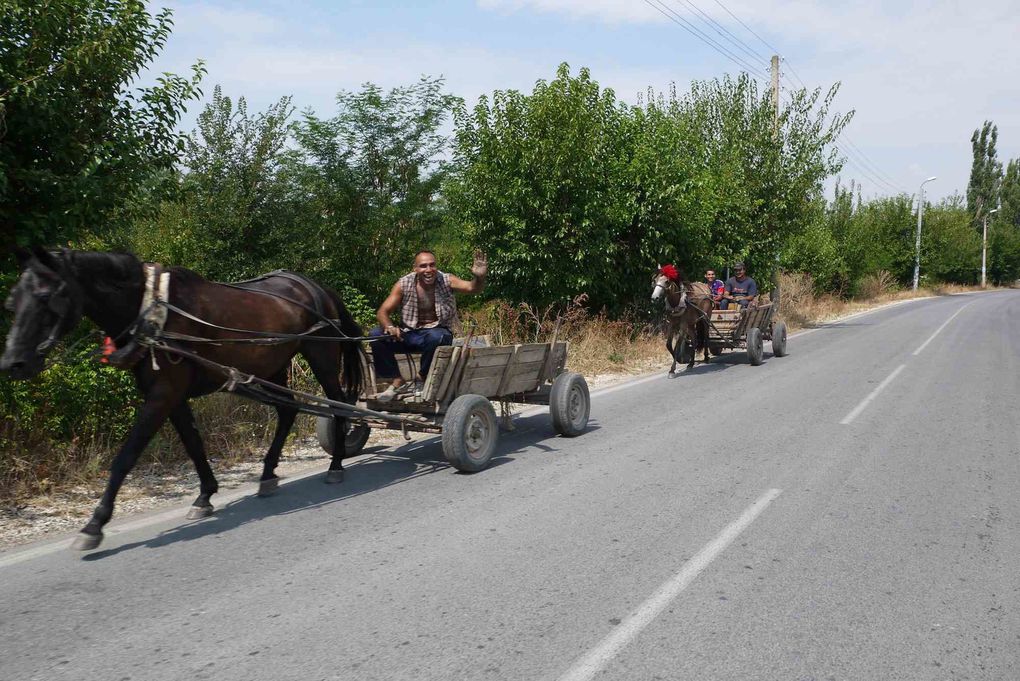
(920,75)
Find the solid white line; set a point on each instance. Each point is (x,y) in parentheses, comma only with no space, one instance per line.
(872,395)
(598,657)
(939,330)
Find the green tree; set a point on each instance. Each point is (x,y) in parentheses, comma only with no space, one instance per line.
(544,184)
(985,173)
(237,212)
(75,138)
(372,175)
(1009,195)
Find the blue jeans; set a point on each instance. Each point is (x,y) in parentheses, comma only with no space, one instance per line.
(424,341)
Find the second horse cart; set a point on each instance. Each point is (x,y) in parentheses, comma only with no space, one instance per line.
(747,329)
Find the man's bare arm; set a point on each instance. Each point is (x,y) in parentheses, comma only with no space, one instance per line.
(388,307)
(480,270)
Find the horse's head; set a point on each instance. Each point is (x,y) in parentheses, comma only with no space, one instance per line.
(46,304)
(666,280)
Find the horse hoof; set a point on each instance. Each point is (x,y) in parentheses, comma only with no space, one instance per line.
(267,487)
(86,542)
(199,512)
(672,375)
(334,476)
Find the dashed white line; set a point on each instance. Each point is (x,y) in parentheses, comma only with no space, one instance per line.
(939,330)
(599,656)
(872,395)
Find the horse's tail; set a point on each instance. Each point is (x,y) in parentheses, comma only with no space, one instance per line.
(351,352)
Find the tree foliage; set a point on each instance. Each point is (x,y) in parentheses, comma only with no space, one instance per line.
(985,172)
(75,138)
(579,193)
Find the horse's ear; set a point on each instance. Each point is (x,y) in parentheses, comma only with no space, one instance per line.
(23,255)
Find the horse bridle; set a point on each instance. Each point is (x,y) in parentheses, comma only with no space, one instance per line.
(670,286)
(59,302)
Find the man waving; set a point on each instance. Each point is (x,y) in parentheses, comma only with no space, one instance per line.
(424,298)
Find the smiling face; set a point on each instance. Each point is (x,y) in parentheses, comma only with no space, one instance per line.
(425,268)
(44,310)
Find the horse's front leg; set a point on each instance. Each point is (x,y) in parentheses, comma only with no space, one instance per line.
(670,335)
(159,403)
(184,424)
(692,338)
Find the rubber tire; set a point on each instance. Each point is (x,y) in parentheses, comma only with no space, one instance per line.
(715,350)
(463,419)
(779,340)
(355,441)
(755,347)
(570,387)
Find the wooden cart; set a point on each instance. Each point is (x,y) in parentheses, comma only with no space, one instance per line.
(747,329)
(456,398)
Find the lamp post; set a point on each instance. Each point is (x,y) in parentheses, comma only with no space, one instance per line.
(917,248)
(984,244)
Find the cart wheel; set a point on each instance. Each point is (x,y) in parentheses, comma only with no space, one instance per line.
(470,431)
(357,436)
(569,404)
(716,350)
(779,339)
(755,346)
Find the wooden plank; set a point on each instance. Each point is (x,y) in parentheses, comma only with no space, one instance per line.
(451,371)
(511,369)
(440,363)
(482,381)
(488,357)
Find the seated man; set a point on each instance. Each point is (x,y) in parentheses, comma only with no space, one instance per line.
(715,286)
(427,311)
(740,288)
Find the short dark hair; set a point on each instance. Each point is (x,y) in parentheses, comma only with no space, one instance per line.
(739,266)
(424,250)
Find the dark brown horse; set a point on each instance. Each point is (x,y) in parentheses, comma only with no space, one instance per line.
(57,288)
(688,307)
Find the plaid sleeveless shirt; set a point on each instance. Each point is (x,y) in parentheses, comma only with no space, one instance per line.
(446,306)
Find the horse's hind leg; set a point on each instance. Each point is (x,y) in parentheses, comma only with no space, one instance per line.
(324,361)
(284,422)
(184,424)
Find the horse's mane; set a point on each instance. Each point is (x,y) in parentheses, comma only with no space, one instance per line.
(110,271)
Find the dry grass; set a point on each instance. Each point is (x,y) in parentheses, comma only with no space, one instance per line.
(598,344)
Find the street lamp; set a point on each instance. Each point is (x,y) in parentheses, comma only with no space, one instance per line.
(917,248)
(984,244)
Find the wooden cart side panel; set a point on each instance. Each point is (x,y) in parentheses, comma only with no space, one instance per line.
(484,369)
(524,373)
(437,372)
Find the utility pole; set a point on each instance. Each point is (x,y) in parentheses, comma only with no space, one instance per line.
(776,294)
(984,245)
(920,213)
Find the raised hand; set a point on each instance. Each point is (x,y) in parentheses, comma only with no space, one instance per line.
(480,268)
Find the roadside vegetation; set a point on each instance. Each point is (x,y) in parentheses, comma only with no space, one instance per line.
(575,195)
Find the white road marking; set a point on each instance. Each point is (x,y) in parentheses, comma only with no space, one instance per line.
(595,660)
(939,330)
(872,395)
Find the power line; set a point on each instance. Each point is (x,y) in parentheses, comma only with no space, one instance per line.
(774,50)
(697,33)
(725,33)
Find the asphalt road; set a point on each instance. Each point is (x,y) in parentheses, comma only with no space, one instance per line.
(847,512)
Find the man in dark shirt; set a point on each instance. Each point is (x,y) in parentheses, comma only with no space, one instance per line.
(740,288)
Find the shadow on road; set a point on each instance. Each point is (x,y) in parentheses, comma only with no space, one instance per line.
(387,467)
